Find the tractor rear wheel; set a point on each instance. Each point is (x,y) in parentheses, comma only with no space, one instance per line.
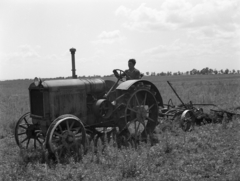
(141,116)
(66,137)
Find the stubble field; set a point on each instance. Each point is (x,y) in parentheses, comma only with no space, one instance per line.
(209,152)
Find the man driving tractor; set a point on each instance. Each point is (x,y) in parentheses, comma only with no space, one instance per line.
(132,72)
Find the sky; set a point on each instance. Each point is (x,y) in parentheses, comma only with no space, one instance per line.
(162,35)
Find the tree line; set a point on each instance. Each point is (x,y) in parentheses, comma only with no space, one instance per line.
(204,71)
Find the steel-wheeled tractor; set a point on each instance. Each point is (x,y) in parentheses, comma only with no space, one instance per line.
(65,114)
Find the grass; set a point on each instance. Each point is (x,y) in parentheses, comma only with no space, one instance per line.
(209,152)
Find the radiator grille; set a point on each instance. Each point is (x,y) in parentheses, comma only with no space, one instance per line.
(36,98)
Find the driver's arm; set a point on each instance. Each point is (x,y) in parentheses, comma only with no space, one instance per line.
(128,77)
(136,75)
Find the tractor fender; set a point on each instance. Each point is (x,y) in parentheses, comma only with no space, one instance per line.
(129,83)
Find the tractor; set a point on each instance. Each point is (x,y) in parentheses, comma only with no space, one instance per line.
(66,114)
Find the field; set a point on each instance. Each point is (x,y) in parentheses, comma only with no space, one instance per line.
(209,152)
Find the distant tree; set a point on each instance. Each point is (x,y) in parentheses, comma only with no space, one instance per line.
(193,72)
(147,73)
(233,71)
(169,73)
(238,71)
(226,71)
(210,71)
(162,73)
(215,71)
(153,74)
(96,76)
(205,71)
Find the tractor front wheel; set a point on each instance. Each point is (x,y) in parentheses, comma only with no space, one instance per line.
(66,137)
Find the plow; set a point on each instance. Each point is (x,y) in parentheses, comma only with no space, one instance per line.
(188,114)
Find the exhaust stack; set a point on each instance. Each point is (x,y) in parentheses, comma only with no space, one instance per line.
(73,50)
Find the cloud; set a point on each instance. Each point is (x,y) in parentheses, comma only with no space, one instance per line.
(29,55)
(122,10)
(24,53)
(219,16)
(183,14)
(164,49)
(143,18)
(109,37)
(180,51)
(213,32)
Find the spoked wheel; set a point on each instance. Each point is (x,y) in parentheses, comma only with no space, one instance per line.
(28,135)
(66,137)
(141,115)
(187,120)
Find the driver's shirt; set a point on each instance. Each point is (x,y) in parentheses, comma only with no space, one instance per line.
(134,74)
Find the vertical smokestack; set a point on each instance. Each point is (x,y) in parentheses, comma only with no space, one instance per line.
(73,50)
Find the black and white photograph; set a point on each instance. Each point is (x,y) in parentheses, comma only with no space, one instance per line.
(120,90)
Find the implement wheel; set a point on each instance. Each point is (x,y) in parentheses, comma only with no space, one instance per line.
(141,115)
(187,121)
(28,135)
(66,137)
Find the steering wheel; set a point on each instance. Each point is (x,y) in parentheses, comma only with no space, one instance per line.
(119,74)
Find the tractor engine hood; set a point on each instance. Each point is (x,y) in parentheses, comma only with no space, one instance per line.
(90,85)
